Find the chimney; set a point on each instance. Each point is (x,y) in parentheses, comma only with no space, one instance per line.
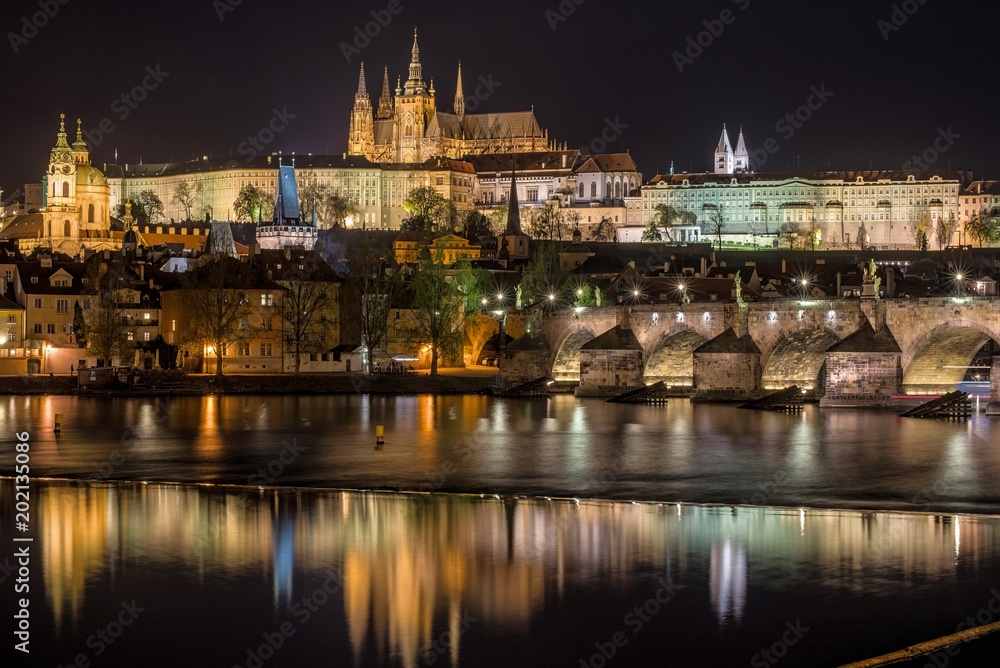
(564,161)
(840,292)
(784,266)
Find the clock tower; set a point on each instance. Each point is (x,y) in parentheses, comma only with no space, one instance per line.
(60,188)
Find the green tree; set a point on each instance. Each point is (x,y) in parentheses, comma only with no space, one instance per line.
(498,220)
(475,225)
(922,230)
(983,228)
(338,210)
(426,207)
(652,233)
(543,276)
(438,311)
(252,205)
(945,231)
(474,285)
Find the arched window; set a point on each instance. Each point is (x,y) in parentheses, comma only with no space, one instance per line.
(65,189)
(593,190)
(67,229)
(581,191)
(608,191)
(90,213)
(618,189)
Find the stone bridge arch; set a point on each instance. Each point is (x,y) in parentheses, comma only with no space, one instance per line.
(937,361)
(566,360)
(797,359)
(671,358)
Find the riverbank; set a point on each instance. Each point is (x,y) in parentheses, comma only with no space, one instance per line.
(474,380)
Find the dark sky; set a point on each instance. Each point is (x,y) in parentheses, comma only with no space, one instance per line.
(607,60)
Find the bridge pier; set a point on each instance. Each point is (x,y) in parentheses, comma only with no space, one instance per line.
(525,359)
(727,368)
(994,407)
(864,370)
(611,364)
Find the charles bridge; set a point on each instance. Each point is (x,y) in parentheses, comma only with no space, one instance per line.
(849,352)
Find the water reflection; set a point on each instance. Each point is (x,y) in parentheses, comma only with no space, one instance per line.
(413,565)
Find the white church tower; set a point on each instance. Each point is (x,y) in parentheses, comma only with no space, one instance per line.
(724,157)
(742,156)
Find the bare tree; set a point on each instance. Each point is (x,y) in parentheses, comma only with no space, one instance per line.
(308,304)
(789,233)
(374,282)
(216,297)
(185,195)
(106,324)
(715,225)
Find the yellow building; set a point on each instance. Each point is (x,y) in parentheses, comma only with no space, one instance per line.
(448,250)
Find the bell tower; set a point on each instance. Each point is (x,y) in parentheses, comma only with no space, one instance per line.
(60,188)
(414,110)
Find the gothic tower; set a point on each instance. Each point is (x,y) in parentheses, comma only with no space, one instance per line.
(385,100)
(460,96)
(414,110)
(362,140)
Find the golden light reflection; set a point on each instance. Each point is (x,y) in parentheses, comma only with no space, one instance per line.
(414,565)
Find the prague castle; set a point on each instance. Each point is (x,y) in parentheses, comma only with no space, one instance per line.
(408,128)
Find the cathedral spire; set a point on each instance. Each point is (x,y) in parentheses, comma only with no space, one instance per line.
(362,83)
(80,153)
(513,207)
(459,95)
(415,84)
(385,100)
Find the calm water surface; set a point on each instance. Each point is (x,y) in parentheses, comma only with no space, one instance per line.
(557,447)
(503,576)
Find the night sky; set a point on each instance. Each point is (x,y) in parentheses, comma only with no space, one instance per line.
(606,60)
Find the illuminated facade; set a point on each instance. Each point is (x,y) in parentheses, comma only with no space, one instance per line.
(408,127)
(884,205)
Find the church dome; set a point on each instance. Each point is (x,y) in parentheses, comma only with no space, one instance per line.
(88,175)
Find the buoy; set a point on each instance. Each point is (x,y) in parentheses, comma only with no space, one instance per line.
(379,436)
(59,419)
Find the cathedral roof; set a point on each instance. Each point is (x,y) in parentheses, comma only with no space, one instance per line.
(724,145)
(608,162)
(383,131)
(500,126)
